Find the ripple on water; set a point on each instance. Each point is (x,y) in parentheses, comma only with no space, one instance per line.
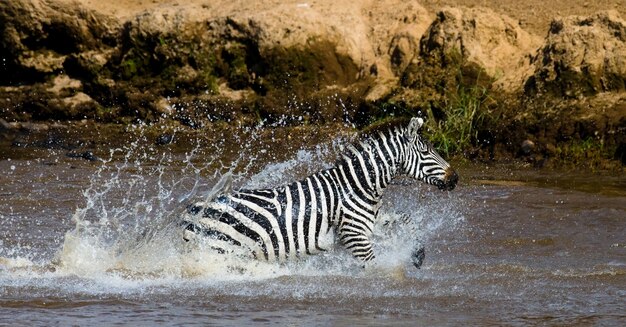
(496,252)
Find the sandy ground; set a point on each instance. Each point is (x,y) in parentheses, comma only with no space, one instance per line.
(533,15)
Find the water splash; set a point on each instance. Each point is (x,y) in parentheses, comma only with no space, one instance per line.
(126,230)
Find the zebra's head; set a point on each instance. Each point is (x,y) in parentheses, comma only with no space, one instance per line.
(423,162)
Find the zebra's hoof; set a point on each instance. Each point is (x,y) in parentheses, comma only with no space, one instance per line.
(418,257)
(190,231)
(188,235)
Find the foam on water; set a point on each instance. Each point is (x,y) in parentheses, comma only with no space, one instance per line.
(126,235)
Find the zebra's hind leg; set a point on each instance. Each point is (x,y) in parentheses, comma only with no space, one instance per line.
(417,256)
(190,231)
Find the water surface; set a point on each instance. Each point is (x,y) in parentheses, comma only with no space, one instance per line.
(97,243)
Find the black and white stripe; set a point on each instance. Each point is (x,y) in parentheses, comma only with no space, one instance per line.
(306,217)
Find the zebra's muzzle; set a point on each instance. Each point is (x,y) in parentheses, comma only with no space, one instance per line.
(449,180)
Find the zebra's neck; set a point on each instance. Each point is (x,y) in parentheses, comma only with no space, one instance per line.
(369,166)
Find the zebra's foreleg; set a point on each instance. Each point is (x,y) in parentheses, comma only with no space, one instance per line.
(418,254)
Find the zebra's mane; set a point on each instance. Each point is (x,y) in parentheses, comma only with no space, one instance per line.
(383,126)
(372,133)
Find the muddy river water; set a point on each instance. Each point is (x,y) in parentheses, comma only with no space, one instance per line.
(96,243)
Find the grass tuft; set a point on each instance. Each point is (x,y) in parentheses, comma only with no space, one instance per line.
(464,113)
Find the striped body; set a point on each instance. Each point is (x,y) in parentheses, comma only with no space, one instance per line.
(308,216)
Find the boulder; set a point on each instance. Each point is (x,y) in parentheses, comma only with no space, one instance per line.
(321,45)
(581,56)
(132,55)
(36,36)
(493,42)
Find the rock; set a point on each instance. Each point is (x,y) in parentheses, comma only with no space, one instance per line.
(87,155)
(234,95)
(396,28)
(88,65)
(402,52)
(34,127)
(36,38)
(527,147)
(479,36)
(188,121)
(78,99)
(23,126)
(293,62)
(164,139)
(19,142)
(63,84)
(581,56)
(164,107)
(380,90)
(126,62)
(37,35)
(4,125)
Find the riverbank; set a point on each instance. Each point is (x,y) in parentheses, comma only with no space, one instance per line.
(248,148)
(518,81)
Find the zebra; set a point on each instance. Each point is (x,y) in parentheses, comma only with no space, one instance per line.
(308,216)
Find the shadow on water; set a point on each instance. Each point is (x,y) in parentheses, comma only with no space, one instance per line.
(97,242)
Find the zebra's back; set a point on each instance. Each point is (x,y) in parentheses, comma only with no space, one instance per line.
(274,224)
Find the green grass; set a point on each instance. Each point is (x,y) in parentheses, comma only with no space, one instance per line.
(464,113)
(589,153)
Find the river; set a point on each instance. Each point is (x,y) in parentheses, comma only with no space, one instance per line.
(96,243)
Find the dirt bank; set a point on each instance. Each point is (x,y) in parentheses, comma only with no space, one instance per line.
(534,16)
(541,81)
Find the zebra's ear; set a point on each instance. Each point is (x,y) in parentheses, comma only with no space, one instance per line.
(414,126)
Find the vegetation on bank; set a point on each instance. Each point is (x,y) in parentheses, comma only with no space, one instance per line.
(158,68)
(465,115)
(467,119)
